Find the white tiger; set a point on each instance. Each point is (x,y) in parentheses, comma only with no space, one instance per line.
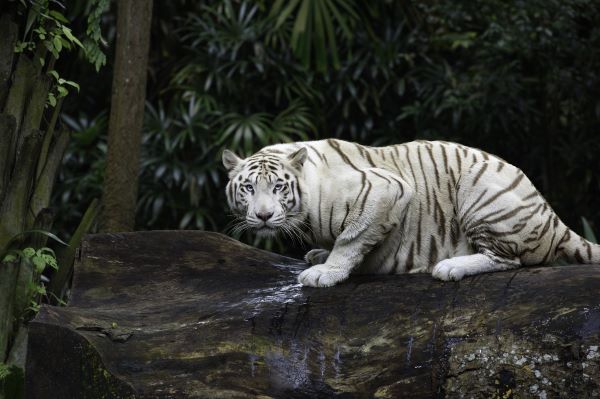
(421,206)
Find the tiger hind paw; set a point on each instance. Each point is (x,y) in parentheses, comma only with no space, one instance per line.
(461,266)
(448,270)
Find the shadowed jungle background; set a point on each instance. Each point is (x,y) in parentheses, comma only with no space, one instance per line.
(519,79)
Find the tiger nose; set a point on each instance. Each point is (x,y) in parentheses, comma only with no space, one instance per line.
(264,216)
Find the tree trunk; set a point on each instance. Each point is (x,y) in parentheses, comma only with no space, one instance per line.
(8,36)
(199,315)
(126,115)
(8,285)
(31,150)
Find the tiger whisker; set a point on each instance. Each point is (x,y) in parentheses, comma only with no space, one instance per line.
(292,232)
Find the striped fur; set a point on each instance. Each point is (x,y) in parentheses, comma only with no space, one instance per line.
(422,206)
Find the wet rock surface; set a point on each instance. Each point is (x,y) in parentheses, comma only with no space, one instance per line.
(198,315)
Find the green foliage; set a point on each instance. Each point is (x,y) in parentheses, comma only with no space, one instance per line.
(519,79)
(45,35)
(51,30)
(47,30)
(93,40)
(4,371)
(60,88)
(12,381)
(314,28)
(38,259)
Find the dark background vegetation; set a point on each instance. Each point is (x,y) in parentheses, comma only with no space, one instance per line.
(520,79)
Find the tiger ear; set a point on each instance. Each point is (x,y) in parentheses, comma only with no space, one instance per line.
(230,160)
(298,157)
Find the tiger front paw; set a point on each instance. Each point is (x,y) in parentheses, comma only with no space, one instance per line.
(322,276)
(316,256)
(448,270)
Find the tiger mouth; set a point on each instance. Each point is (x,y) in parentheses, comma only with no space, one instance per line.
(266,231)
(265,226)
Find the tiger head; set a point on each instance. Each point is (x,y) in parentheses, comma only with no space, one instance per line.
(264,191)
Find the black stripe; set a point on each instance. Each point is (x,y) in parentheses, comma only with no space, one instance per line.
(454,232)
(383,177)
(426,185)
(435,168)
(550,247)
(511,187)
(320,214)
(480,173)
(445,156)
(441,221)
(419,229)
(362,206)
(399,247)
(292,189)
(370,160)
(589,250)
(505,216)
(565,238)
(545,229)
(532,195)
(342,226)
(316,152)
(458,160)
(433,251)
(410,259)
(299,192)
(412,172)
(330,222)
(474,204)
(530,214)
(344,157)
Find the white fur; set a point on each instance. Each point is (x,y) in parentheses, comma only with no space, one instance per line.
(461,266)
(408,208)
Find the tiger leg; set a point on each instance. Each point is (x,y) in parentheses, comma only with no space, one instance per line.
(379,207)
(504,219)
(461,266)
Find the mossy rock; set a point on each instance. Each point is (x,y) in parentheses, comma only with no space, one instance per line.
(183,314)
